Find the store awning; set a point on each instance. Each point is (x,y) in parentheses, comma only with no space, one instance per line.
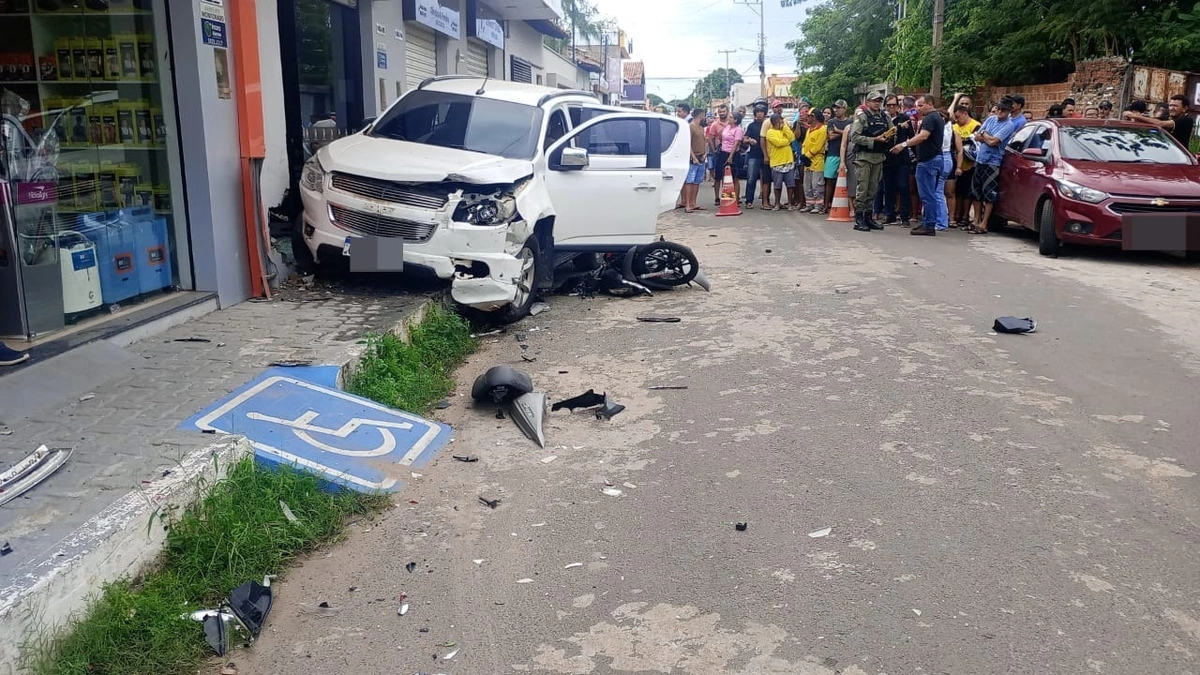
(548,28)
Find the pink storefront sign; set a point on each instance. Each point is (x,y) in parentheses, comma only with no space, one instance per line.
(37,193)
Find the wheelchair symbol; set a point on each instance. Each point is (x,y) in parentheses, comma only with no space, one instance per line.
(302,426)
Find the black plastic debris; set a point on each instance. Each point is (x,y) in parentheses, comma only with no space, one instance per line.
(291,363)
(323,604)
(192,339)
(659,319)
(609,410)
(741,527)
(1012,324)
(528,359)
(215,633)
(442,404)
(251,603)
(500,385)
(5,549)
(667,387)
(410,567)
(466,458)
(587,399)
(490,503)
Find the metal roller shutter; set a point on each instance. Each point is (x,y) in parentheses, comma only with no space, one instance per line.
(477,58)
(520,70)
(420,54)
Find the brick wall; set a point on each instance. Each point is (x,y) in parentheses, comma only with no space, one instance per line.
(1093,81)
(1038,97)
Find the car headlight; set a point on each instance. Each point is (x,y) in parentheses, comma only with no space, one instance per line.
(479,210)
(313,176)
(1078,192)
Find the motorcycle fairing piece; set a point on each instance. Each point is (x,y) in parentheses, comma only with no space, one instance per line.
(529,412)
(588,399)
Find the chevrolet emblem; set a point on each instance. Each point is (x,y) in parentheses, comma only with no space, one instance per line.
(1159,201)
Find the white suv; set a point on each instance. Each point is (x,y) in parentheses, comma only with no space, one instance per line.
(490,183)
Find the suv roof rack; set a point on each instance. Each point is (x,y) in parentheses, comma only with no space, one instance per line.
(442,78)
(565,92)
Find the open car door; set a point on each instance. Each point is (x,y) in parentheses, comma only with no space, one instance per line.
(607,179)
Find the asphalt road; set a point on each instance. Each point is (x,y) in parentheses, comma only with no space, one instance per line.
(995,503)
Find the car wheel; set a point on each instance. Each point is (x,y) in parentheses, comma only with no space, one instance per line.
(305,262)
(530,256)
(1047,232)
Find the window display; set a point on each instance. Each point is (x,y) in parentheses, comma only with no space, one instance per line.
(83,150)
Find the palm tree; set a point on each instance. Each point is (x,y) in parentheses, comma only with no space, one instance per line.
(581,14)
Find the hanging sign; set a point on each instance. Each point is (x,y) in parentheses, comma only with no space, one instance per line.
(432,14)
(490,31)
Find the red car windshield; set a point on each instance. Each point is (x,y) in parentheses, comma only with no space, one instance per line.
(1149,145)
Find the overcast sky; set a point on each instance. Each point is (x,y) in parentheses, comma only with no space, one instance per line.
(680,39)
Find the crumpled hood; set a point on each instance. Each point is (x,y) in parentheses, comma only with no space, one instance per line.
(406,162)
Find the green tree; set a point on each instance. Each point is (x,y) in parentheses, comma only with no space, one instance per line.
(840,47)
(714,85)
(656,100)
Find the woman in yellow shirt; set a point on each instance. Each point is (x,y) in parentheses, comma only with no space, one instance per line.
(782,158)
(960,198)
(814,174)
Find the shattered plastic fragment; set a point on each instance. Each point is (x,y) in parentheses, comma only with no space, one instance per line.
(917,612)
(450,655)
(820,533)
(524,581)
(659,319)
(466,458)
(538,525)
(478,561)
(287,512)
(612,492)
(5,549)
(403,609)
(410,567)
(537,308)
(609,410)
(490,503)
(573,565)
(551,458)
(667,388)
(587,399)
(86,397)
(741,527)
(528,412)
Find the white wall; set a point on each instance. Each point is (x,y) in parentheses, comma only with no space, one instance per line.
(275,166)
(391,18)
(526,43)
(561,72)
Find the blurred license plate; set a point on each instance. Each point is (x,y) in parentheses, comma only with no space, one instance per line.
(346,247)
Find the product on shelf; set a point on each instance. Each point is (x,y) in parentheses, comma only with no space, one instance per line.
(162,199)
(142,125)
(127,48)
(79,64)
(125,122)
(106,184)
(112,59)
(66,64)
(95,125)
(160,126)
(108,113)
(95,58)
(128,176)
(17,67)
(145,47)
(48,68)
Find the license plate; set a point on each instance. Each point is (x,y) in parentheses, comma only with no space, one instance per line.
(346,248)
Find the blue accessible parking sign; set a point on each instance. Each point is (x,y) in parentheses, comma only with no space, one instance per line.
(291,416)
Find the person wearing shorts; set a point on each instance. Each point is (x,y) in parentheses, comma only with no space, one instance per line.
(697,165)
(834,129)
(990,139)
(783,162)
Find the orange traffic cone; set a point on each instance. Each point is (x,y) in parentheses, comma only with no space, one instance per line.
(729,201)
(839,211)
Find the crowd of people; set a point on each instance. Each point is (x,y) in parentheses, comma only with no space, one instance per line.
(907,161)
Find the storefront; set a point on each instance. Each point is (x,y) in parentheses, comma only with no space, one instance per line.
(424,21)
(485,42)
(91,215)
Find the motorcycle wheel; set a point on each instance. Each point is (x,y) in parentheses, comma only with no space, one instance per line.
(661,265)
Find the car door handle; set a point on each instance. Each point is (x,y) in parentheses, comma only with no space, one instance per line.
(645,188)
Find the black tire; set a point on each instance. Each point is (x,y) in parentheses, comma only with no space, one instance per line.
(527,285)
(305,262)
(676,260)
(1047,232)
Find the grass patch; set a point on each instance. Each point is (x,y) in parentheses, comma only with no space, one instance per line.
(414,375)
(237,533)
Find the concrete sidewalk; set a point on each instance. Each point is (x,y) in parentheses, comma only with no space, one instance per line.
(117,407)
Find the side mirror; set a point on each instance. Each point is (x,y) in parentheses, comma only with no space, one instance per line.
(1034,153)
(572,159)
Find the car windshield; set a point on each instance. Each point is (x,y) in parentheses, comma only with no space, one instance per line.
(1149,145)
(464,122)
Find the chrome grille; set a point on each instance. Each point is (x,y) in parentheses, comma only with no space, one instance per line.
(1124,207)
(387,191)
(372,225)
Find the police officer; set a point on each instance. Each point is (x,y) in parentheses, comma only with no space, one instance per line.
(871,134)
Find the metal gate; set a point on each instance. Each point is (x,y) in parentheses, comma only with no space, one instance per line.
(477,58)
(520,70)
(420,54)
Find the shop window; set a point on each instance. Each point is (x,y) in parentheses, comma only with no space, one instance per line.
(86,209)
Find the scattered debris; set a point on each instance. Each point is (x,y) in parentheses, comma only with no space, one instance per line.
(229,669)
(442,404)
(466,458)
(916,611)
(659,319)
(573,565)
(247,608)
(702,281)
(612,492)
(86,397)
(768,250)
(629,485)
(741,527)
(500,385)
(551,458)
(665,387)
(5,549)
(450,655)
(192,339)
(208,431)
(820,533)
(529,412)
(488,334)
(478,561)
(1012,324)
(587,399)
(537,308)
(414,474)
(490,503)
(410,567)
(403,609)
(524,581)
(297,363)
(609,410)
(287,512)
(6,432)
(521,337)
(322,609)
(29,472)
(528,359)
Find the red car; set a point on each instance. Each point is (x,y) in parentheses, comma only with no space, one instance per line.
(1071,180)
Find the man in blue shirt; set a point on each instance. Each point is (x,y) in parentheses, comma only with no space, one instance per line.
(1018,111)
(990,139)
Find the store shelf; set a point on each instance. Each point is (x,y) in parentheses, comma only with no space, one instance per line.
(89,83)
(115,147)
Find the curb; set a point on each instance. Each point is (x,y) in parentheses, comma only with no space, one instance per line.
(121,541)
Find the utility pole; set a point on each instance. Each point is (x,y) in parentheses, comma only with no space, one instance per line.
(757,7)
(728,82)
(939,18)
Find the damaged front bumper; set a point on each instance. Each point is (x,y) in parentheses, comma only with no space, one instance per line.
(479,260)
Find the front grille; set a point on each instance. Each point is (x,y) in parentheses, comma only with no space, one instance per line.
(387,191)
(372,225)
(1123,208)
